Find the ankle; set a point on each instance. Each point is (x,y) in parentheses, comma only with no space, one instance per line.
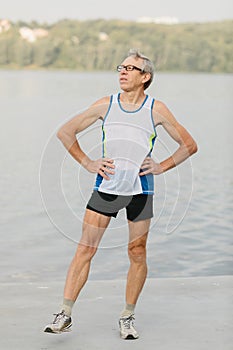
(67,306)
(128,310)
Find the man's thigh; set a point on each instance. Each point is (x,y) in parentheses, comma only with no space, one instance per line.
(138,230)
(94,226)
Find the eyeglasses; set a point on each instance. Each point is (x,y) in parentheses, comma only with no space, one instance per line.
(129,67)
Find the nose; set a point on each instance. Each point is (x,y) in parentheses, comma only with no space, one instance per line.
(123,70)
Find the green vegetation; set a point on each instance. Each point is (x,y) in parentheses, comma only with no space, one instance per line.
(101,45)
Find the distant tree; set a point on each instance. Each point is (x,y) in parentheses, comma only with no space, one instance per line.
(101,45)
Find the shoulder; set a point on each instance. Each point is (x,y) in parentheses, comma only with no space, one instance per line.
(102,101)
(101,106)
(161,113)
(160,107)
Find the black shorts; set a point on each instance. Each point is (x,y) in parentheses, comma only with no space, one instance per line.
(138,207)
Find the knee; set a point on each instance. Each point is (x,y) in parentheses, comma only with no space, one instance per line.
(85,252)
(137,253)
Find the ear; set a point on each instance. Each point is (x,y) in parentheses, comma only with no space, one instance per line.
(146,77)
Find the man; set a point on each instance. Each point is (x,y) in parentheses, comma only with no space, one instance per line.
(124,180)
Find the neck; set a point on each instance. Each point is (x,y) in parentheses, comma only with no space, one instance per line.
(132,97)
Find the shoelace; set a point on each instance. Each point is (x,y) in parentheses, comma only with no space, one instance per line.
(128,321)
(58,316)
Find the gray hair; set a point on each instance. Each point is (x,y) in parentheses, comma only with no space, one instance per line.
(147,65)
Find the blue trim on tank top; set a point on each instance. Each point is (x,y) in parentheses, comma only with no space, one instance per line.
(105,117)
(147,183)
(109,107)
(124,110)
(99,178)
(151,115)
(98,182)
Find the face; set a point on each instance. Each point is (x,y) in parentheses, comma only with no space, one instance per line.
(132,80)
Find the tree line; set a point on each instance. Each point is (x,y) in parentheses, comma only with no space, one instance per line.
(102,44)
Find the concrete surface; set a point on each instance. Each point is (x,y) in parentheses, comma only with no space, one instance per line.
(178,313)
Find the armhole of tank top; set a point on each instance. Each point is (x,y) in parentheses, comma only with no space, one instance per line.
(146,100)
(151,115)
(109,107)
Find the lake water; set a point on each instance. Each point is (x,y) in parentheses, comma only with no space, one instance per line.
(43,191)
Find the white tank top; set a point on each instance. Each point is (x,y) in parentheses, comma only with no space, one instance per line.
(128,138)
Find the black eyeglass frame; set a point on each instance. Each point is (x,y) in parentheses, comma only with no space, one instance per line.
(128,68)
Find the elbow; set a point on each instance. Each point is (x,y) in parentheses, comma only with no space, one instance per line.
(66,136)
(193,148)
(190,147)
(60,134)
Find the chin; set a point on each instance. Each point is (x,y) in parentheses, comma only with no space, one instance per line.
(124,87)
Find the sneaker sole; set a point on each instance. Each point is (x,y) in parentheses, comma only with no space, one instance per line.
(50,330)
(129,337)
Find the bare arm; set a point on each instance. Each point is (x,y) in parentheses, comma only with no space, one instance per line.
(187,146)
(67,134)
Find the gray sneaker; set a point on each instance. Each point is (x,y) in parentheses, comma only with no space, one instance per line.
(61,323)
(127,330)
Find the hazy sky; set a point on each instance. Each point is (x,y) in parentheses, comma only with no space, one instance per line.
(53,10)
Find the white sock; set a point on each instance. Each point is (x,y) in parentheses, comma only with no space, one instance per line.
(67,306)
(128,311)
